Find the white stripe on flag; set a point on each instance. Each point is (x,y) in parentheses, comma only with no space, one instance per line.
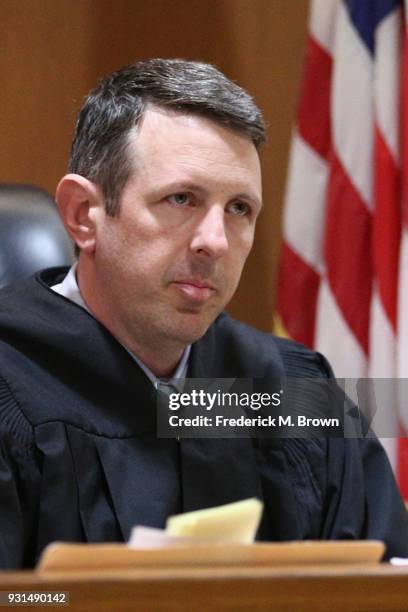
(382,341)
(305,202)
(387,80)
(403,308)
(334,338)
(352,106)
(322,21)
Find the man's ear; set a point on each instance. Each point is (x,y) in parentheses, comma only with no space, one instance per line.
(80,203)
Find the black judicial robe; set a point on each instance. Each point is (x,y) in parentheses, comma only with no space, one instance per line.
(80,460)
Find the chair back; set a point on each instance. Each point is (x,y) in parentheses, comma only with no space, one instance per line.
(32,236)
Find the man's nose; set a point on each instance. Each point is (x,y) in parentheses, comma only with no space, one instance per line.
(210,236)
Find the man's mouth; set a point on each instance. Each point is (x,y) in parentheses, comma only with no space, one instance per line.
(195,290)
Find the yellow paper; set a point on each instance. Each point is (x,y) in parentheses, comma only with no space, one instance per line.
(234,523)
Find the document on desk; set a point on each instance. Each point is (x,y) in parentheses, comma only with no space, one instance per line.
(398,561)
(235,523)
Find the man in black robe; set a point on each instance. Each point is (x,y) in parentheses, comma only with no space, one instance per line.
(161,200)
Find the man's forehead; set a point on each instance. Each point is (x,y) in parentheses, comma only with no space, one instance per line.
(164,125)
(192,143)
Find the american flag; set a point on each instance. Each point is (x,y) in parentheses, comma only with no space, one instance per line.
(343,281)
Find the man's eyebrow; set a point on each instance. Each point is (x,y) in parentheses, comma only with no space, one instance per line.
(177,186)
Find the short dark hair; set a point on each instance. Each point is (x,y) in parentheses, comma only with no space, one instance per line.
(100,146)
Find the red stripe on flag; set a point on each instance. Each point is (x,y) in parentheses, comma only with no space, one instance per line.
(402,468)
(298,284)
(348,251)
(314,107)
(404,127)
(386,226)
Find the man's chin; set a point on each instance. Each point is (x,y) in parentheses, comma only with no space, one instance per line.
(192,326)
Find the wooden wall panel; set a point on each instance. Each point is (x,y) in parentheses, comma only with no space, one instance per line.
(53,51)
(44,66)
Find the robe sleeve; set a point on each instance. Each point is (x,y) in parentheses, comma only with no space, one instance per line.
(386,515)
(19,485)
(361,499)
(368,504)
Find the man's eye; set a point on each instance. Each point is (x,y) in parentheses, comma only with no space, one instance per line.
(179,199)
(239,208)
